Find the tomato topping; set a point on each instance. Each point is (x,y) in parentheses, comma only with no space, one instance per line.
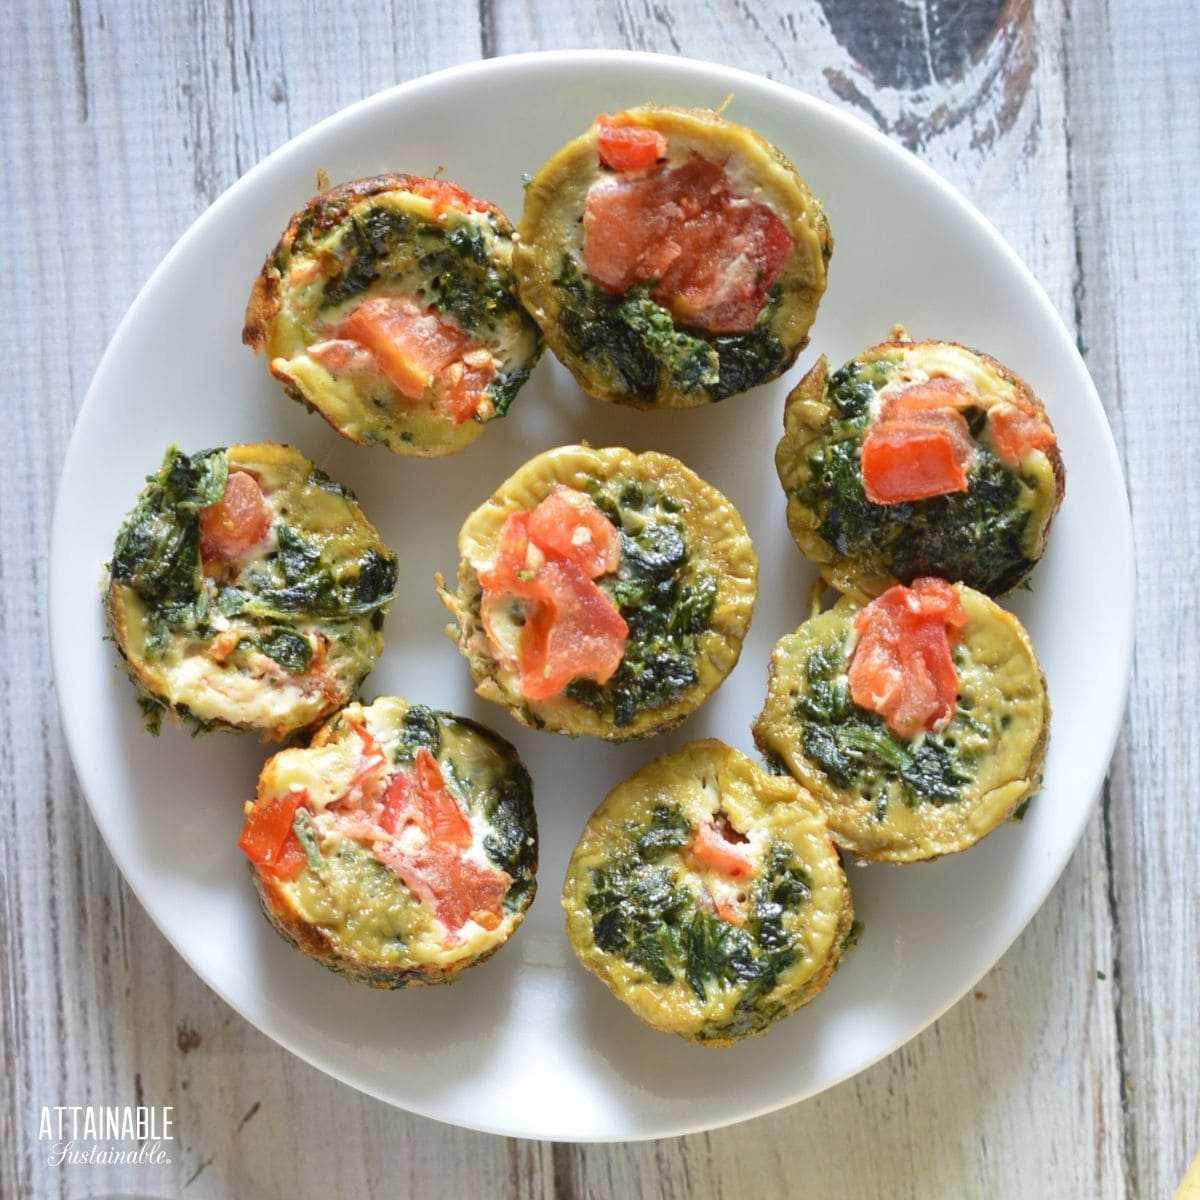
(445,194)
(236,523)
(548,558)
(454,887)
(410,345)
(1016,432)
(902,667)
(465,388)
(718,846)
(625,146)
(571,525)
(415,349)
(910,460)
(938,393)
(920,445)
(441,815)
(292,859)
(397,801)
(715,255)
(267,839)
(575,630)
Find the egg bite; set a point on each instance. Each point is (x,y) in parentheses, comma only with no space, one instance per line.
(707,894)
(919,458)
(672,258)
(398,848)
(918,721)
(247,590)
(389,307)
(602,592)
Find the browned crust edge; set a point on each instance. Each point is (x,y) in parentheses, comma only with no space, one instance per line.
(323,212)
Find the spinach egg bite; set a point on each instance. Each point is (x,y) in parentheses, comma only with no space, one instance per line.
(602,592)
(671,258)
(919,721)
(707,894)
(398,848)
(389,307)
(919,458)
(247,589)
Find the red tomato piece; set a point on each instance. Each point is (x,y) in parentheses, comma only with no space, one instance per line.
(912,460)
(1016,432)
(465,388)
(902,667)
(938,393)
(571,525)
(453,887)
(625,146)
(441,815)
(717,846)
(445,194)
(920,445)
(398,802)
(722,277)
(410,346)
(238,522)
(575,631)
(548,558)
(715,255)
(267,839)
(512,554)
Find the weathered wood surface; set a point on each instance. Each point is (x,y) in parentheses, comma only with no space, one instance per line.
(1074,1070)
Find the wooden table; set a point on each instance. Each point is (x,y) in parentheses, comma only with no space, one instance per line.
(1075,129)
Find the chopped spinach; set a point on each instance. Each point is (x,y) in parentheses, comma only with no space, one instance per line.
(855,748)
(668,830)
(369,239)
(157,552)
(422,727)
(291,650)
(664,605)
(747,359)
(636,340)
(297,580)
(464,281)
(504,388)
(689,362)
(643,913)
(976,536)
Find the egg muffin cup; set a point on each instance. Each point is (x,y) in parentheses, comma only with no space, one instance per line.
(690,276)
(247,590)
(990,533)
(389,307)
(398,848)
(901,799)
(708,895)
(682,581)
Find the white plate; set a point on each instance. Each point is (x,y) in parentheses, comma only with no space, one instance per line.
(529,1044)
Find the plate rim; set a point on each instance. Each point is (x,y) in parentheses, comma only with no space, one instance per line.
(856,126)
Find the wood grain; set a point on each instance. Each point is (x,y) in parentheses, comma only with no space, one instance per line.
(1073,1071)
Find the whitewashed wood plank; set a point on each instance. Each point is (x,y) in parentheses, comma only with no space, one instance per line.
(1134,78)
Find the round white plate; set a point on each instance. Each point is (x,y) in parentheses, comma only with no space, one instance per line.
(530,1044)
